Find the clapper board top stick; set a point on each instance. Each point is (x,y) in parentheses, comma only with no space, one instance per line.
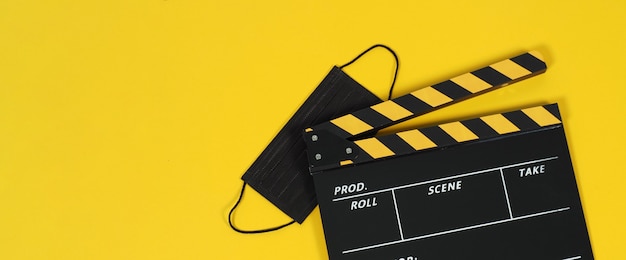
(494,187)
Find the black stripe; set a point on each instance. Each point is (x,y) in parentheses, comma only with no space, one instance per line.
(521,120)
(554,110)
(330,127)
(396,144)
(371,117)
(413,104)
(363,156)
(451,90)
(438,136)
(480,128)
(491,76)
(529,62)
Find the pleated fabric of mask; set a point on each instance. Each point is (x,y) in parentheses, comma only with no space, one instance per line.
(281,172)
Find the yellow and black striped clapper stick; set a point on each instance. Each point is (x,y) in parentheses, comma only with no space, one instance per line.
(369,120)
(430,98)
(444,135)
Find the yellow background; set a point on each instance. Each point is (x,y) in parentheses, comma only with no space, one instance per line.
(126,125)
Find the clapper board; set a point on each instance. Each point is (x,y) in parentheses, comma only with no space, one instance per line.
(499,186)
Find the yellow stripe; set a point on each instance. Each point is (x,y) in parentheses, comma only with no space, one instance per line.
(471,83)
(499,123)
(374,148)
(431,96)
(345,162)
(458,131)
(391,110)
(416,139)
(351,124)
(511,69)
(541,116)
(308,130)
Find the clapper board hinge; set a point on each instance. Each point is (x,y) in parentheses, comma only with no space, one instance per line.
(349,139)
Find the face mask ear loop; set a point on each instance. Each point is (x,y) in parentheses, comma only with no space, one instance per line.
(395,75)
(230,219)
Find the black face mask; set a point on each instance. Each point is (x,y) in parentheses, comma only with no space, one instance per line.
(281,173)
